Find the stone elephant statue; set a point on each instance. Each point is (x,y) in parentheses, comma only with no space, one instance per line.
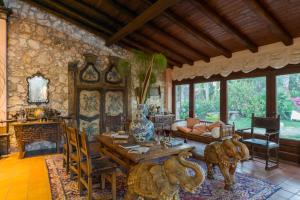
(162,181)
(226,154)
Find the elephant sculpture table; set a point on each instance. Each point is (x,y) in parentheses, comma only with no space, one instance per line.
(162,181)
(226,154)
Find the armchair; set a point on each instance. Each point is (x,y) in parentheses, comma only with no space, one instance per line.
(271,141)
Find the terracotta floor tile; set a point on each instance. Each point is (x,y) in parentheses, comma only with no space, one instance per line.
(3,193)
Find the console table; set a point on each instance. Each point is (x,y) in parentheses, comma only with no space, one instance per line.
(29,132)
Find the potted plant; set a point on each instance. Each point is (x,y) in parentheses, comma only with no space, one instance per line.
(147,67)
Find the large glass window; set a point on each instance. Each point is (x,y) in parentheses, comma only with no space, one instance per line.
(288,105)
(182,101)
(246,96)
(207,101)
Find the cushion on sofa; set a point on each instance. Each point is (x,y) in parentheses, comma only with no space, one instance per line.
(184,129)
(190,122)
(215,132)
(199,130)
(215,124)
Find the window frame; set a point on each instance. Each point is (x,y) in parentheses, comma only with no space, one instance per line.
(174,99)
(210,81)
(240,78)
(269,73)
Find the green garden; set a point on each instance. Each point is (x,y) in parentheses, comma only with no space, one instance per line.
(245,96)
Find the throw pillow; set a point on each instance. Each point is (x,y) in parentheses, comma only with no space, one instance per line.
(199,129)
(215,124)
(191,122)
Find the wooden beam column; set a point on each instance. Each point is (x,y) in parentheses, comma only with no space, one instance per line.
(150,13)
(3,62)
(223,101)
(192,100)
(271,94)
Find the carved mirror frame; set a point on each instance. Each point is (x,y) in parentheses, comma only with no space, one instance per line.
(29,100)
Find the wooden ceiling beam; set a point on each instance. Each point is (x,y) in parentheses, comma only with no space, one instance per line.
(272,22)
(98,15)
(162,48)
(196,33)
(135,45)
(86,23)
(87,10)
(182,23)
(153,11)
(62,11)
(70,16)
(226,25)
(130,14)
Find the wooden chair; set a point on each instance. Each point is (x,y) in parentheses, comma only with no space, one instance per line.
(73,140)
(66,147)
(271,141)
(89,166)
(5,135)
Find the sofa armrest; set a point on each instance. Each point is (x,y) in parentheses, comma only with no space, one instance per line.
(178,123)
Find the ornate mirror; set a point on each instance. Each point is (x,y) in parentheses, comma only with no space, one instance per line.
(37,89)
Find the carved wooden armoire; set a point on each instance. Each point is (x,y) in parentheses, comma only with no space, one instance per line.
(97,95)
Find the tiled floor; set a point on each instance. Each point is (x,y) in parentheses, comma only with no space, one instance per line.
(22,179)
(28,178)
(287,176)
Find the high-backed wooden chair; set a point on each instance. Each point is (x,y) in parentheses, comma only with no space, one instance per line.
(66,147)
(4,135)
(114,123)
(271,141)
(89,166)
(73,140)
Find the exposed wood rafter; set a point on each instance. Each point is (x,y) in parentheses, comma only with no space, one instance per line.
(137,45)
(196,33)
(87,23)
(150,13)
(163,48)
(272,22)
(131,15)
(227,26)
(71,16)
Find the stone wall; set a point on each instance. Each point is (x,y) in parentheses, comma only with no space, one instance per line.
(41,42)
(38,41)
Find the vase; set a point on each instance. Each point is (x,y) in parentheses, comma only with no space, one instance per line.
(141,128)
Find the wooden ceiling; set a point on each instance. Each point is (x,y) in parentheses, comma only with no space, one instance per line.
(184,30)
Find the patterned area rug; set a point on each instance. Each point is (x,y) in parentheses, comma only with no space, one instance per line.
(246,187)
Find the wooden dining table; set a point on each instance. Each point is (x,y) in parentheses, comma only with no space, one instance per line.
(123,157)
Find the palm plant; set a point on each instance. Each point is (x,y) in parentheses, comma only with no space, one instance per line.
(147,67)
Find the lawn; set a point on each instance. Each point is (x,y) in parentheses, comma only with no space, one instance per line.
(288,129)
